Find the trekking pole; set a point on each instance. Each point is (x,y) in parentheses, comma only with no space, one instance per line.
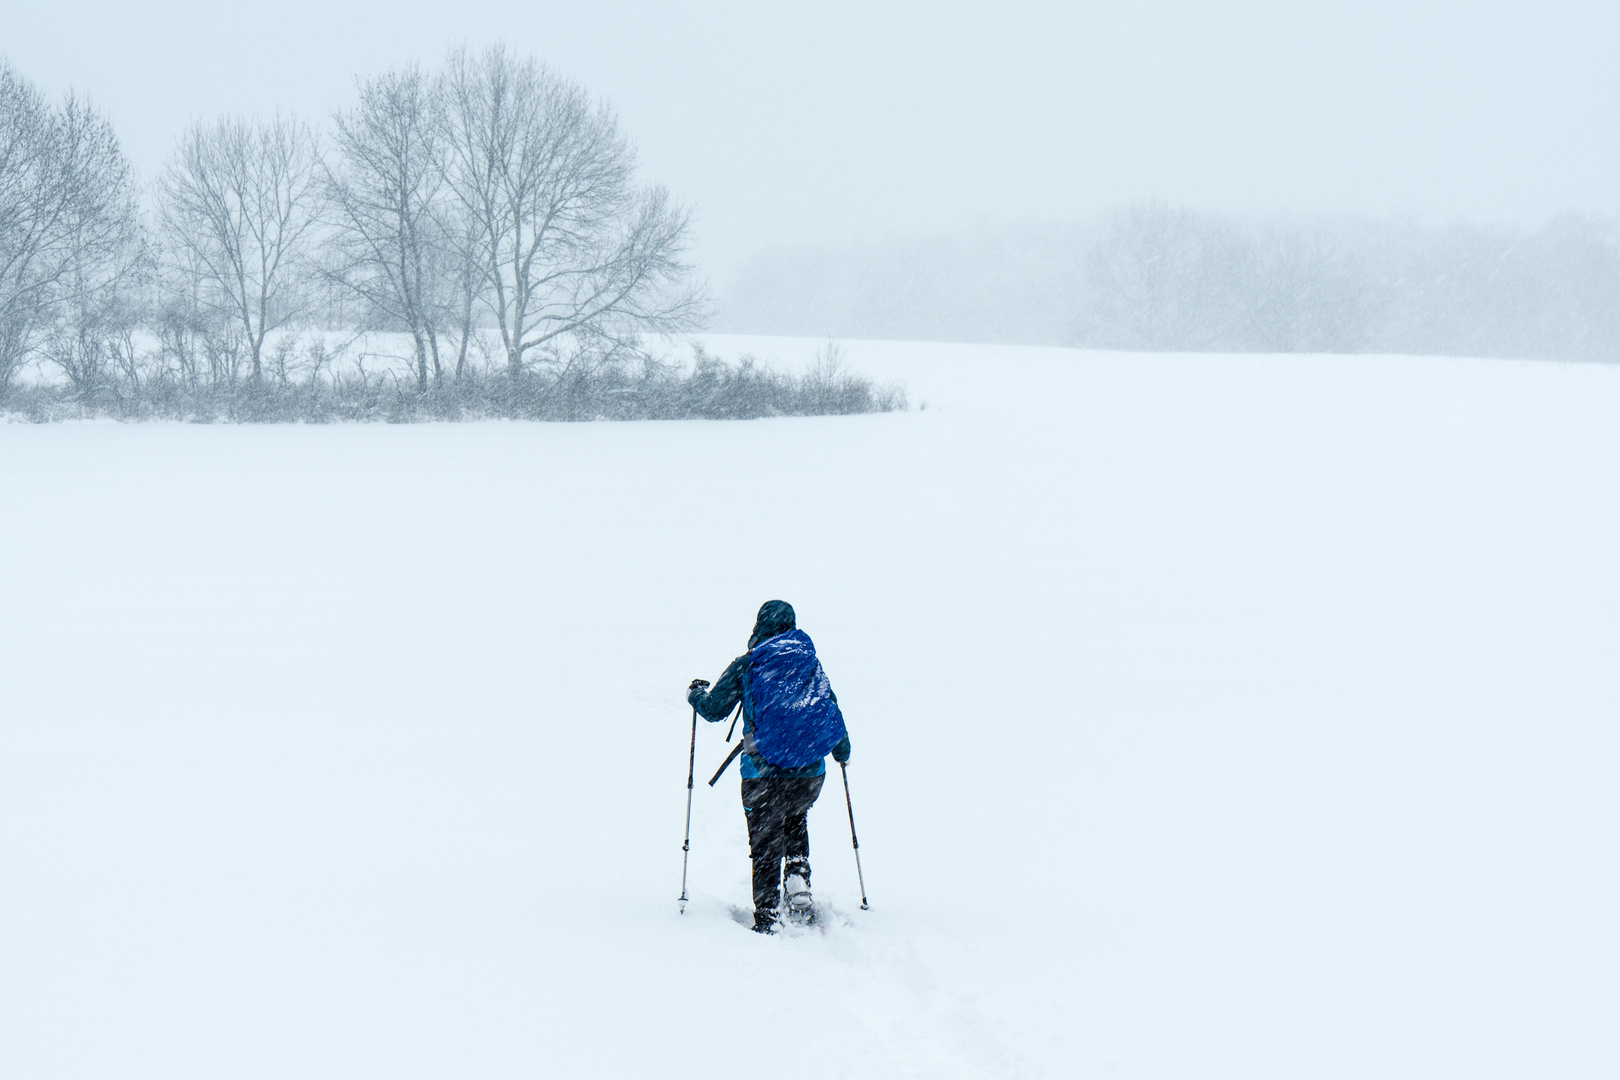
(726,764)
(735,750)
(686,844)
(732,730)
(844,768)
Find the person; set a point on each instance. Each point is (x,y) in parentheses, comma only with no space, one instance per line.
(790,720)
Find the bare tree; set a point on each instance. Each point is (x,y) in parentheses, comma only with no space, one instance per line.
(99,297)
(187,329)
(579,260)
(68,220)
(1300,289)
(100,309)
(386,188)
(1153,281)
(463,277)
(1162,278)
(240,204)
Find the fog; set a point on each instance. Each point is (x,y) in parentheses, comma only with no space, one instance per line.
(842,123)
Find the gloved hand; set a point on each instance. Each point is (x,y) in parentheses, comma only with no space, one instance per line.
(696,689)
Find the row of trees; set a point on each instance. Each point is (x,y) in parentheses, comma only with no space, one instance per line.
(1158,277)
(491,196)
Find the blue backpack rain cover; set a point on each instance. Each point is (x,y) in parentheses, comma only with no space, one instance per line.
(796,720)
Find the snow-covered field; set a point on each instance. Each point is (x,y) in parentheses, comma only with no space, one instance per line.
(1214,716)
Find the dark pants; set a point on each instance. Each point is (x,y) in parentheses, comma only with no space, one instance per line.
(776,807)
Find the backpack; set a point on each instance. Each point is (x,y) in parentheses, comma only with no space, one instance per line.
(796,719)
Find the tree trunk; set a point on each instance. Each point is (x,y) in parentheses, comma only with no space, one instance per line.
(421,363)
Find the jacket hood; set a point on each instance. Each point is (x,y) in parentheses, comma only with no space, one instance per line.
(775,617)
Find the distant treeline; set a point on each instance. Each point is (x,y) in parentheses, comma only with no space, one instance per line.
(1157,277)
(484,216)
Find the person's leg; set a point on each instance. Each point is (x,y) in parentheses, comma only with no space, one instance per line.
(764,809)
(796,826)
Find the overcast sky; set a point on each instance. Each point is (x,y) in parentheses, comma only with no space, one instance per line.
(832,121)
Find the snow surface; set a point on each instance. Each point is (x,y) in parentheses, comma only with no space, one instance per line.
(1213,716)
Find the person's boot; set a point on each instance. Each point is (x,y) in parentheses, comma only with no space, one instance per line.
(796,890)
(764,922)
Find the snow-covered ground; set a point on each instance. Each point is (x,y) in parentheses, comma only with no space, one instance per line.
(1214,716)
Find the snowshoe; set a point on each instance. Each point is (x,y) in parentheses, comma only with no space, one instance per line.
(797,902)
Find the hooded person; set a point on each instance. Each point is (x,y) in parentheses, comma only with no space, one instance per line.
(791,721)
